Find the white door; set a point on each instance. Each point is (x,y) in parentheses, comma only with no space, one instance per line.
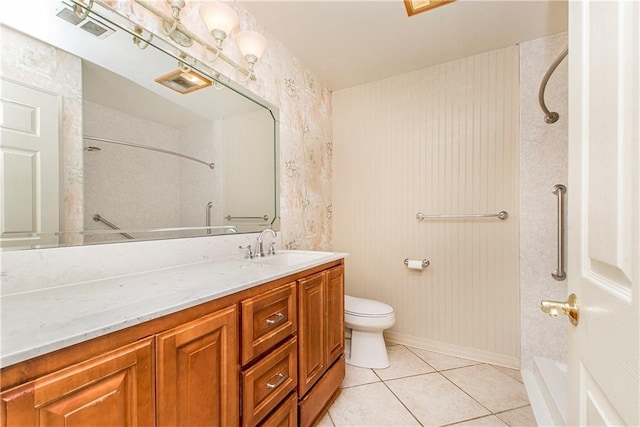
(29,183)
(604,221)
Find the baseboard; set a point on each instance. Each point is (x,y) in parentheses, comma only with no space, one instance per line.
(453,350)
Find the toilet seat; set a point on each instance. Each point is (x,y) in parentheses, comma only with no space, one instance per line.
(362,307)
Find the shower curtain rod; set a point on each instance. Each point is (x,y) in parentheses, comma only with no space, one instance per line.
(146,147)
(550,116)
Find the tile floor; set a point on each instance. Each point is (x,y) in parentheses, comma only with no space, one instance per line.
(423,388)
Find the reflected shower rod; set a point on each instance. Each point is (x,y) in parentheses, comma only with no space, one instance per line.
(146,147)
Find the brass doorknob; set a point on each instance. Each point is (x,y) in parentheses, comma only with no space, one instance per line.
(570,307)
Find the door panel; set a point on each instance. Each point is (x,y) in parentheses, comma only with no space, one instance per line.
(604,184)
(29,164)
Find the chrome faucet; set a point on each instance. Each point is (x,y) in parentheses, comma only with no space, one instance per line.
(259,248)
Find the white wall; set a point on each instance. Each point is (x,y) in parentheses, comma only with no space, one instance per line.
(543,163)
(439,140)
(131,187)
(248,192)
(200,184)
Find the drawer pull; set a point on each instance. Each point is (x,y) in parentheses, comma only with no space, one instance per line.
(280,380)
(275,318)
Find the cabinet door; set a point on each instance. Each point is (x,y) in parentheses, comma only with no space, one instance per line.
(114,389)
(335,313)
(312,355)
(198,372)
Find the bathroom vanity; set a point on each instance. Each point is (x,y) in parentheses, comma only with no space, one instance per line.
(227,342)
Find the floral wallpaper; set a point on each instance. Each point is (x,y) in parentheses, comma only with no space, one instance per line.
(305,110)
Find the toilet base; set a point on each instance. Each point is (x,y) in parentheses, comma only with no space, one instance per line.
(368,350)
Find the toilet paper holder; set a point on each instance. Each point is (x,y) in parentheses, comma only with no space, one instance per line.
(425,262)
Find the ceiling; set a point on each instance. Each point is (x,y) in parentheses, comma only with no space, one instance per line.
(347,43)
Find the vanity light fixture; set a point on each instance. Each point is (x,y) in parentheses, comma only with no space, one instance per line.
(81,10)
(252,45)
(417,6)
(171,28)
(220,20)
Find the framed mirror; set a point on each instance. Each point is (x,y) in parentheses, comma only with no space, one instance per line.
(109,134)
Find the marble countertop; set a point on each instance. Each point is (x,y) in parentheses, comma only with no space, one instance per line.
(41,321)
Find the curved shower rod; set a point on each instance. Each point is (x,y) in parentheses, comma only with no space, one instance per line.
(550,116)
(145,147)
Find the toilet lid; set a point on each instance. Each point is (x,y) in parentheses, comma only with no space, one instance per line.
(365,307)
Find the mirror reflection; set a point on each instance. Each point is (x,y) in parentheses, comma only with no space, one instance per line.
(103,140)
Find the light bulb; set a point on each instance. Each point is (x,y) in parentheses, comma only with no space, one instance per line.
(252,45)
(220,19)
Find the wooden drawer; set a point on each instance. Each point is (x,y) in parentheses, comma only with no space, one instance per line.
(267,319)
(285,416)
(268,382)
(315,403)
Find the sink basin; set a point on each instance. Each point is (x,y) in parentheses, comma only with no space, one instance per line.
(291,258)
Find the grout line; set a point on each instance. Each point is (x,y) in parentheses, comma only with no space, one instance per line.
(331,419)
(472,419)
(461,389)
(474,362)
(402,403)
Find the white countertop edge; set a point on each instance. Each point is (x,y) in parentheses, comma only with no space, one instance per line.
(10,357)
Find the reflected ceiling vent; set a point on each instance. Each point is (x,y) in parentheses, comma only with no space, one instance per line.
(184,80)
(90,25)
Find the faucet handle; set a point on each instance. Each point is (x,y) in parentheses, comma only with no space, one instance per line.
(272,249)
(248,254)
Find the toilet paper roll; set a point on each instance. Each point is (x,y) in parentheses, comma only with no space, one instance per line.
(415,264)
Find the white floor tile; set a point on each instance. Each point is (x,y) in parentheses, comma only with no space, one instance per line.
(358,376)
(513,373)
(403,364)
(490,421)
(519,417)
(410,392)
(441,361)
(434,400)
(369,405)
(492,388)
(325,421)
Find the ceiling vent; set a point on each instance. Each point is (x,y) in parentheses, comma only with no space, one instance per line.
(89,24)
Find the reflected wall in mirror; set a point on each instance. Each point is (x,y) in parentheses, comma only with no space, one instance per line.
(92,141)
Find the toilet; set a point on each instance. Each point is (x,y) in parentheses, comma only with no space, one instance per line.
(366,319)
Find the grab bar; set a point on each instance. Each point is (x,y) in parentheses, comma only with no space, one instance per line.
(503,215)
(264,217)
(207,214)
(560,190)
(98,218)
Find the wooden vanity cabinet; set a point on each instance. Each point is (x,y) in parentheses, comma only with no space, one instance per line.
(114,389)
(271,355)
(321,341)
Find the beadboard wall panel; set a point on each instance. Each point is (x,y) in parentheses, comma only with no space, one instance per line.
(439,140)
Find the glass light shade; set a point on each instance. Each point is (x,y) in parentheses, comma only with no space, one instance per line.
(178,3)
(251,43)
(218,17)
